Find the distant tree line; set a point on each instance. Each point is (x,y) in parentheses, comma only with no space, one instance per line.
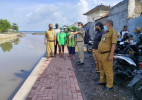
(5,26)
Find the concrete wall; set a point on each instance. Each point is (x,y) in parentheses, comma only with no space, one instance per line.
(92,17)
(4,36)
(7,37)
(118,14)
(133,24)
(102,20)
(96,15)
(134,8)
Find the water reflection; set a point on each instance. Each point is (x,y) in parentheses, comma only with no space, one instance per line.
(7,46)
(22,74)
(16,41)
(17,60)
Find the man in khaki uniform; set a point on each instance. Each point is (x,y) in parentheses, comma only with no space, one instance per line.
(50,41)
(106,50)
(80,42)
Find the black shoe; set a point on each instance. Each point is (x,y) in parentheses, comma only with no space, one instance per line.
(107,89)
(98,83)
(80,63)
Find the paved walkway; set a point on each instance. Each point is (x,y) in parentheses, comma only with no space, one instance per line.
(56,81)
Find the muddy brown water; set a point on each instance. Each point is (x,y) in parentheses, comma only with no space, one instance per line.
(17,60)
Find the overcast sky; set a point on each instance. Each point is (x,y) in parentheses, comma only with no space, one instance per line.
(35,15)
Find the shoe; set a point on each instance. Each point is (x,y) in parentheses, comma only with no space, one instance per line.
(47,59)
(107,89)
(80,63)
(98,83)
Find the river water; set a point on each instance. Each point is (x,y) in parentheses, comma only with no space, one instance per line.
(17,60)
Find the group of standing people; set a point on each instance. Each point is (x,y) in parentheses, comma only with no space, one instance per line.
(59,37)
(103,50)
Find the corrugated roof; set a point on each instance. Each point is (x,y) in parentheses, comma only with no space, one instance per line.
(98,8)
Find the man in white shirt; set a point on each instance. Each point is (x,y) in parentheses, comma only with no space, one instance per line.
(123,32)
(57,30)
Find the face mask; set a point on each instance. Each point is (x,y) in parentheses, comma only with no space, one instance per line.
(97,29)
(62,30)
(50,28)
(79,27)
(105,28)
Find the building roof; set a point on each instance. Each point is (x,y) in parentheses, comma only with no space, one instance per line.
(104,16)
(98,8)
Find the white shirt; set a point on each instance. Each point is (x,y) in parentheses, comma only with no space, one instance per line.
(123,32)
(57,31)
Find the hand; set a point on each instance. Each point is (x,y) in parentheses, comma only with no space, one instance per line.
(79,32)
(110,57)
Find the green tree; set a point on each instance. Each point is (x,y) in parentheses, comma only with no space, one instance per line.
(4,25)
(15,27)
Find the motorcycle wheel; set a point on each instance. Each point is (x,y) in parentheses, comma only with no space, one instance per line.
(137,90)
(89,48)
(117,76)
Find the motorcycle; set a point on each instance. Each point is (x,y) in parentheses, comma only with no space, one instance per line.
(129,67)
(122,46)
(90,45)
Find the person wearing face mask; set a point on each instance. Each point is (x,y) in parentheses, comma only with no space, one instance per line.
(106,50)
(99,28)
(50,41)
(61,40)
(80,42)
(57,30)
(71,42)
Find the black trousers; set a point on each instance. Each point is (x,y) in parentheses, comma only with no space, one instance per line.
(55,50)
(61,48)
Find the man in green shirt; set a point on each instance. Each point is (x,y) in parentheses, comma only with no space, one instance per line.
(61,40)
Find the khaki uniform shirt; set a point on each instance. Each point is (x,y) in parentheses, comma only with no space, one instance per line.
(50,35)
(81,35)
(109,38)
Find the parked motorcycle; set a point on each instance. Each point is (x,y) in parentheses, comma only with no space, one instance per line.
(129,67)
(90,45)
(122,46)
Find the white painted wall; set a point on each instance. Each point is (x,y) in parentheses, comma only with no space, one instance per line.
(96,15)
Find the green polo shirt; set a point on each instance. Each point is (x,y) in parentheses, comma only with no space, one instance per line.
(62,38)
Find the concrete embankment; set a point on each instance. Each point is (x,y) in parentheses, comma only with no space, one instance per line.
(28,84)
(8,37)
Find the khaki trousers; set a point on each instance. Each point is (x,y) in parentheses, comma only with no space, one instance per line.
(95,54)
(106,70)
(50,48)
(80,46)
